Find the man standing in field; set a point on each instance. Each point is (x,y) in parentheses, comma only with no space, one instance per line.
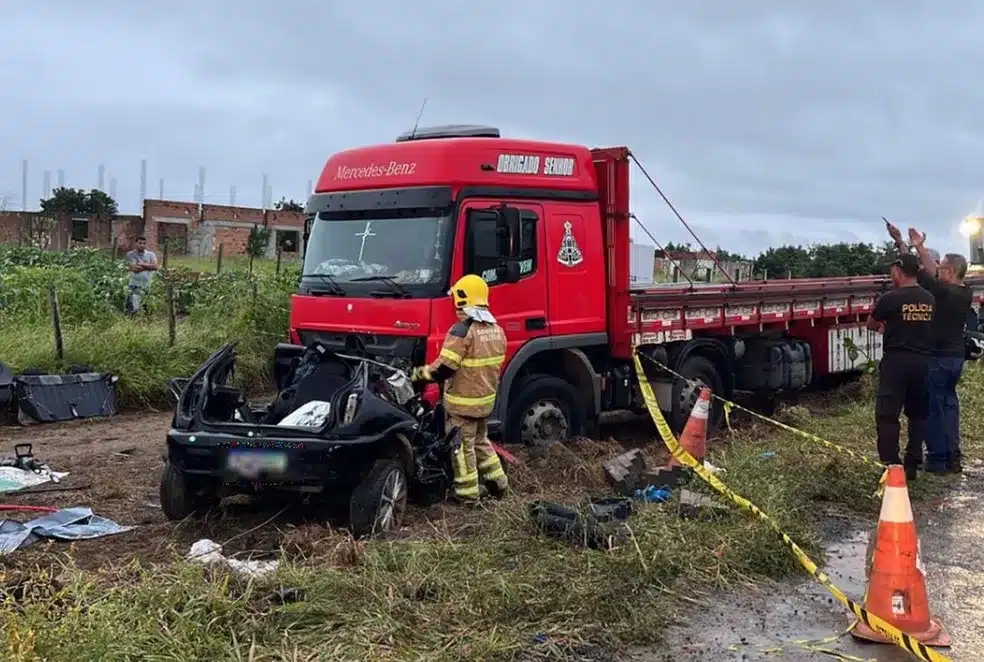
(905,316)
(141,264)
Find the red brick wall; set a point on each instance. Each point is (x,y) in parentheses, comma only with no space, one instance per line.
(292,218)
(160,209)
(234,214)
(153,224)
(15,228)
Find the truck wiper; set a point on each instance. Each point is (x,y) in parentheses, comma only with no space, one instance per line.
(335,288)
(396,287)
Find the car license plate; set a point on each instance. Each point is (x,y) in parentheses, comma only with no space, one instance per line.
(251,463)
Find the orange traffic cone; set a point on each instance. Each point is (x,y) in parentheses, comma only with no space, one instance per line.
(694,437)
(897,583)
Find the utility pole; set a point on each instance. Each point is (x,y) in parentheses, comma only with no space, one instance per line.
(266,190)
(201,185)
(232,196)
(143,181)
(24,185)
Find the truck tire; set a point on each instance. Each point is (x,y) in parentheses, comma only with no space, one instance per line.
(380,500)
(544,410)
(182,497)
(685,396)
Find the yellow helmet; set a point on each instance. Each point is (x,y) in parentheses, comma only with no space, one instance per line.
(470,290)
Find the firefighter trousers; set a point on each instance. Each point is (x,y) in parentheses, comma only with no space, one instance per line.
(475,459)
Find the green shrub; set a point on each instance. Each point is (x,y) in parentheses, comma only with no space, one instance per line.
(251,309)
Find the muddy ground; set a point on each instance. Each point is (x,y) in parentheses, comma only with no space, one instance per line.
(114,468)
(762,624)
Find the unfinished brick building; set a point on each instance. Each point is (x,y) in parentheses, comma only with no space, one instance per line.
(64,231)
(199,230)
(186,227)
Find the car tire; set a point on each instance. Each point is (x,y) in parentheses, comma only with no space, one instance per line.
(379,502)
(703,370)
(544,410)
(183,497)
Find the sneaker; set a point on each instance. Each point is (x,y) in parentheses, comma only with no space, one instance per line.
(935,467)
(954,467)
(911,470)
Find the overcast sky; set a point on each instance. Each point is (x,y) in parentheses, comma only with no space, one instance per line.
(765,123)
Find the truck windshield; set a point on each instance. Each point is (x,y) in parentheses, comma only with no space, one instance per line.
(407,250)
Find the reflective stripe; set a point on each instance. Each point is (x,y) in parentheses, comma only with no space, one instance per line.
(489,462)
(450,355)
(495,474)
(467,492)
(467,478)
(452,399)
(482,363)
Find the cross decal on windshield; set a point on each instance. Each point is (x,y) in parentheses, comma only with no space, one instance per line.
(365,234)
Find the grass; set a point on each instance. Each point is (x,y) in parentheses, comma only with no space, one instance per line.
(249,308)
(480,586)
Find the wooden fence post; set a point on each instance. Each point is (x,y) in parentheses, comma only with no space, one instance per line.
(251,264)
(280,257)
(56,322)
(218,261)
(171,315)
(164,256)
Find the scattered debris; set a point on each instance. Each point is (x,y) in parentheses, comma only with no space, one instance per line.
(25,470)
(601,527)
(693,503)
(67,524)
(209,552)
(627,474)
(52,398)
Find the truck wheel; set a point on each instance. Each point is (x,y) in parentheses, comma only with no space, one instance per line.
(181,496)
(545,410)
(685,395)
(380,500)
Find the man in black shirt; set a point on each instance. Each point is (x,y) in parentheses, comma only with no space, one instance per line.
(905,316)
(953,303)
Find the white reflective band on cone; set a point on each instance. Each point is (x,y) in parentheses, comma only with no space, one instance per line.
(895,506)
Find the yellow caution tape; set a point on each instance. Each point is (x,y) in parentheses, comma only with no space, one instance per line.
(876,623)
(728,406)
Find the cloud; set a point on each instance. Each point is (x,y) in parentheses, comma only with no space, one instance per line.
(765,123)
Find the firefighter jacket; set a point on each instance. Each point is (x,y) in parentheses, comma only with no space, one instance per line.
(469,361)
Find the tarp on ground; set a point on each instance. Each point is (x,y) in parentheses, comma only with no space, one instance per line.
(66,524)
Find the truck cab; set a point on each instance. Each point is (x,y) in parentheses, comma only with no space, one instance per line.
(391,227)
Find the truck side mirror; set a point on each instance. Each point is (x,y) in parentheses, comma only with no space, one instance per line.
(508,225)
(308,222)
(508,271)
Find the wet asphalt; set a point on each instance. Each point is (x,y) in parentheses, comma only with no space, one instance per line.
(748,625)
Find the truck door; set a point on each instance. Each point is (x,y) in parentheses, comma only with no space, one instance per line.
(521,306)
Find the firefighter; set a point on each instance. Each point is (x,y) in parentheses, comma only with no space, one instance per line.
(469,364)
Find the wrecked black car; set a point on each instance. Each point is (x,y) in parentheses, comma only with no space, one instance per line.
(344,429)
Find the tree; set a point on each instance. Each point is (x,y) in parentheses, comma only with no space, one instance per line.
(288,205)
(78,202)
(784,261)
(259,239)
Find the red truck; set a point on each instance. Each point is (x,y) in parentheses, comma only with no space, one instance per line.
(391,226)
